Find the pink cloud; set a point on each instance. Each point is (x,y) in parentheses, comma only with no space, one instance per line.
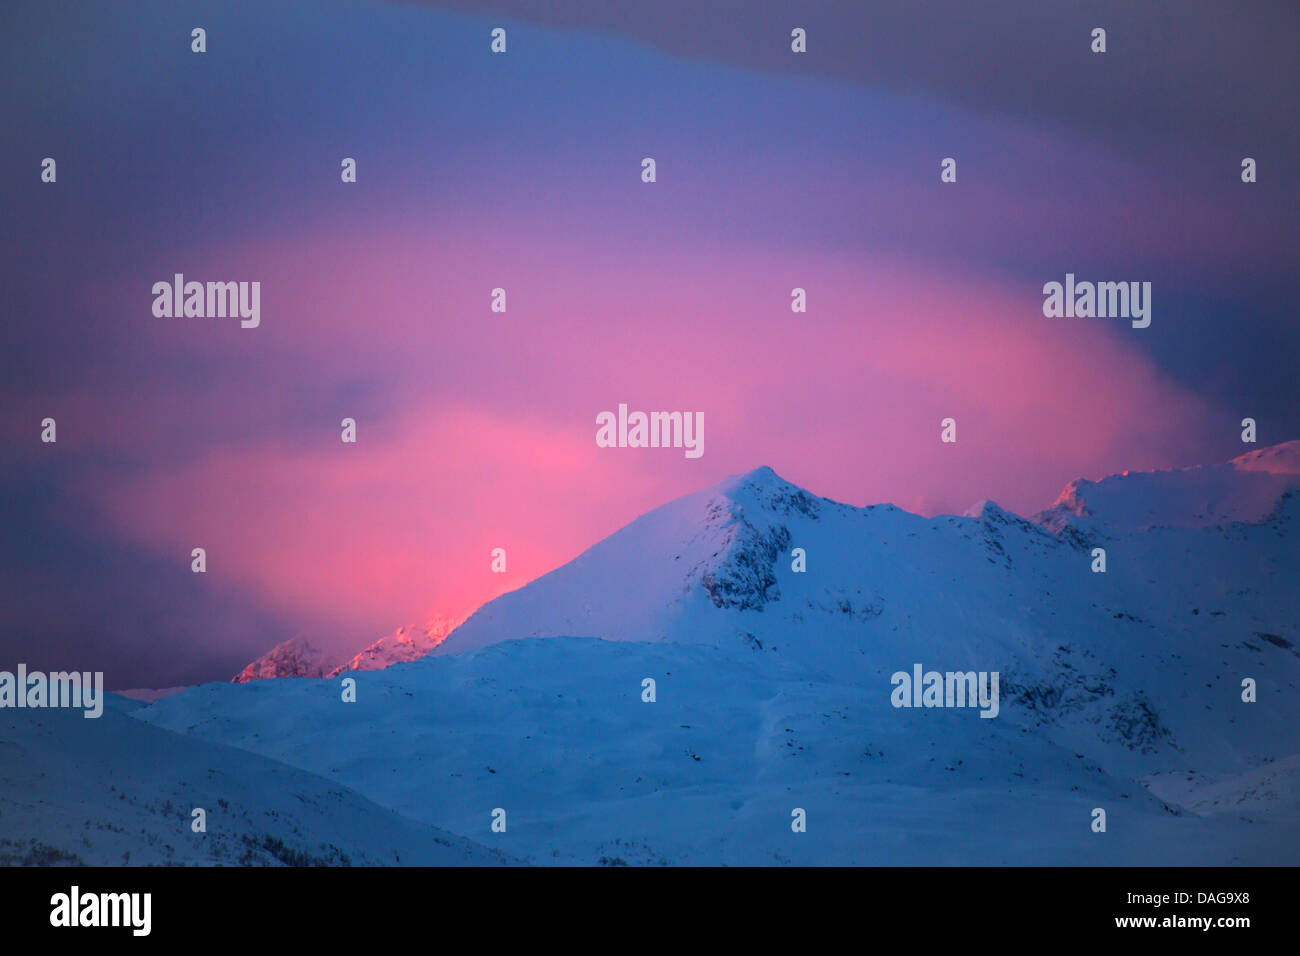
(483,433)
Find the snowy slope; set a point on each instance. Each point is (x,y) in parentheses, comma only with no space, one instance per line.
(115,790)
(554,731)
(774,691)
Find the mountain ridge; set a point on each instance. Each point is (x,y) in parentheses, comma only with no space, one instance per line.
(1084,513)
(771,624)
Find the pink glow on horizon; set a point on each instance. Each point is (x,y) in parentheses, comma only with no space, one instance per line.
(464,455)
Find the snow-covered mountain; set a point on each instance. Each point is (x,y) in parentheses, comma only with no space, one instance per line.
(1120,690)
(404,645)
(1245,489)
(295,657)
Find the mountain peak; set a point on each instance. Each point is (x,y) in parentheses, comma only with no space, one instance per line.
(406,644)
(762,477)
(763,489)
(984,510)
(295,657)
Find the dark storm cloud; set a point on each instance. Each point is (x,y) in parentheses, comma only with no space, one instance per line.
(1220,74)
